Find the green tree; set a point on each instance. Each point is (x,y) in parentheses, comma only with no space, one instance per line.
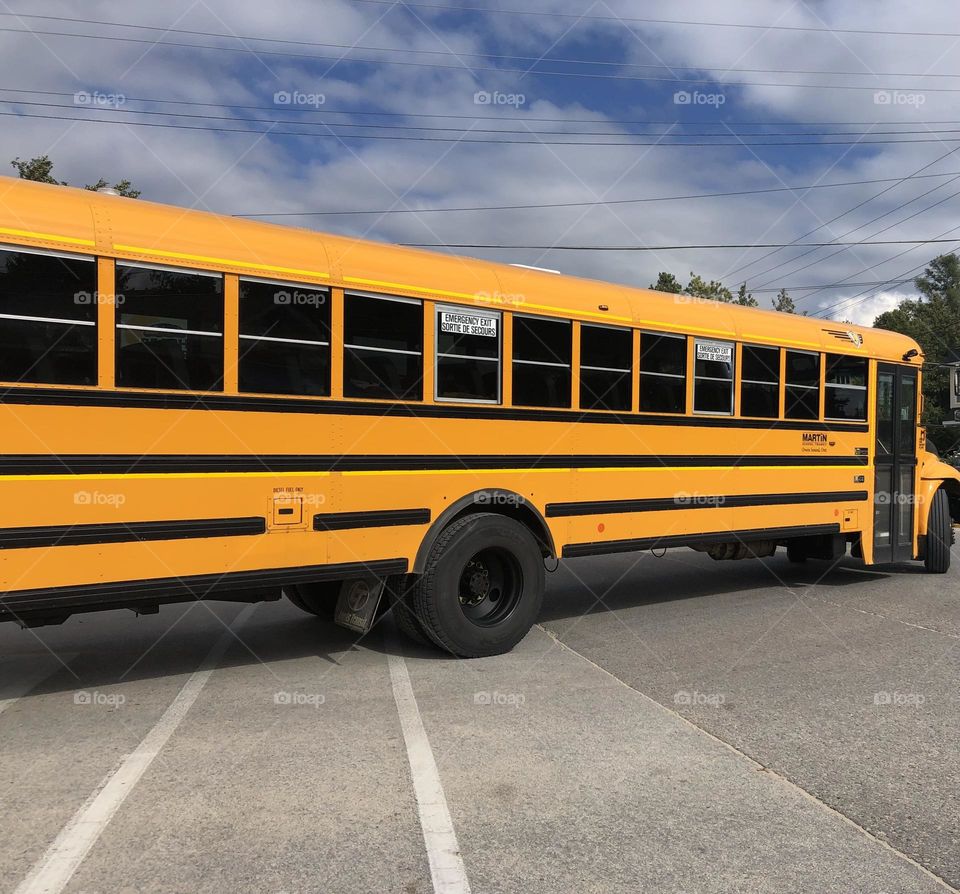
(784,303)
(40,169)
(745,298)
(713,290)
(933,321)
(667,282)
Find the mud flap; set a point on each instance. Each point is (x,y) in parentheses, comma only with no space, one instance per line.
(357,603)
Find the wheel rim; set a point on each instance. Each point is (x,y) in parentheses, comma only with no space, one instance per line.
(490,588)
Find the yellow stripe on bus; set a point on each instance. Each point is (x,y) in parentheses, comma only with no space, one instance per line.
(104,476)
(49,237)
(183,256)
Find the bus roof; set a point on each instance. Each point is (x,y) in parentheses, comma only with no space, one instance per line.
(86,222)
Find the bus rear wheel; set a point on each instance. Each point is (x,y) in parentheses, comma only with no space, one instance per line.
(482,586)
(400,590)
(318,598)
(936,558)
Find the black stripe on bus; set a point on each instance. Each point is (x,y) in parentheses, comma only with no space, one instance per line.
(694,501)
(79,397)
(129,532)
(188,588)
(750,535)
(96,464)
(342,521)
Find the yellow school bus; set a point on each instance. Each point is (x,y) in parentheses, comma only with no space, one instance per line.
(198,407)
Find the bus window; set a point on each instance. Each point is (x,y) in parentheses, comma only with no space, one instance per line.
(382,347)
(542,351)
(605,368)
(713,377)
(663,373)
(760,382)
(468,355)
(169,328)
(803,385)
(48,323)
(846,387)
(284,338)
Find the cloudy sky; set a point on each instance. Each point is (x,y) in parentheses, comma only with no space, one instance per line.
(292,106)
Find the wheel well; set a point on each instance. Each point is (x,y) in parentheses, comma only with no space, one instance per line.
(953,497)
(501,502)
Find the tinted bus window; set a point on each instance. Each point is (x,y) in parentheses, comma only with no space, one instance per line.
(542,351)
(48,319)
(605,355)
(760,382)
(169,329)
(803,385)
(845,396)
(663,373)
(468,355)
(284,339)
(713,377)
(383,347)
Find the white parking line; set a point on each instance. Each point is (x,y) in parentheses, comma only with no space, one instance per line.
(13,691)
(446,865)
(56,867)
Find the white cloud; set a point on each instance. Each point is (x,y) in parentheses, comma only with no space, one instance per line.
(243,173)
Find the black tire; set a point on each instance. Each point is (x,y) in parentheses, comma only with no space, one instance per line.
(939,534)
(318,599)
(796,553)
(482,586)
(400,590)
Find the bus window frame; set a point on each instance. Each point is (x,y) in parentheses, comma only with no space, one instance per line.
(577,357)
(338,363)
(781,359)
(819,387)
(485,312)
(865,387)
(574,360)
(684,377)
(241,337)
(734,375)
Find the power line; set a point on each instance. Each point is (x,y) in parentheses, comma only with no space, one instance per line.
(473,69)
(624,20)
(638,248)
(845,213)
(727,125)
(271,131)
(538,206)
(122,109)
(248,38)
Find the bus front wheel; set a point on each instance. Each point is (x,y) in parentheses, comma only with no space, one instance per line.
(936,558)
(482,586)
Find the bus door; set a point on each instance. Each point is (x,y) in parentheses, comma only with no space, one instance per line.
(895,461)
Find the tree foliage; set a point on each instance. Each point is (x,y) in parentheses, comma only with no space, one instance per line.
(933,321)
(40,170)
